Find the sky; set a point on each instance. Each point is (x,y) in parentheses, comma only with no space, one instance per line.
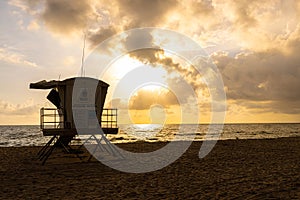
(254,44)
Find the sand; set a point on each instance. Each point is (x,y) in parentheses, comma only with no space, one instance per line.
(235,169)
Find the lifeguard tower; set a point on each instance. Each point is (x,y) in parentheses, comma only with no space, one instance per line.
(59,122)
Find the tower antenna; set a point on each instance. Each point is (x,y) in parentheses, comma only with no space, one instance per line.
(82,58)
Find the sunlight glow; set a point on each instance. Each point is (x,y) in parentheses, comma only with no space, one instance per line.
(152,87)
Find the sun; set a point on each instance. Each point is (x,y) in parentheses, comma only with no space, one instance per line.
(120,67)
(130,75)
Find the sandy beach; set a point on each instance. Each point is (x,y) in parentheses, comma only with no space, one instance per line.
(235,169)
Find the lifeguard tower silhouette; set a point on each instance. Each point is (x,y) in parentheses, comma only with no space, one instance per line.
(59,122)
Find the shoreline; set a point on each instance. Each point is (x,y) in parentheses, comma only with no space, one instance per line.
(157,141)
(252,168)
(177,124)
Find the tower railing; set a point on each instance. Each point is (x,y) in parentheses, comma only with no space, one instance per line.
(53,118)
(109,118)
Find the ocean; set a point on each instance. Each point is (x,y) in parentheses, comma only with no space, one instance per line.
(31,135)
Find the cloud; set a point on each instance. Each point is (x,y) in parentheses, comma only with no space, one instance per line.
(260,107)
(25,5)
(33,26)
(245,12)
(118,103)
(128,14)
(269,77)
(67,16)
(24,113)
(255,22)
(259,25)
(145,13)
(99,18)
(260,39)
(144,99)
(261,76)
(182,77)
(12,57)
(156,57)
(100,35)
(28,108)
(242,23)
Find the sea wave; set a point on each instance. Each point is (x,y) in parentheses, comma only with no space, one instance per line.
(32,135)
